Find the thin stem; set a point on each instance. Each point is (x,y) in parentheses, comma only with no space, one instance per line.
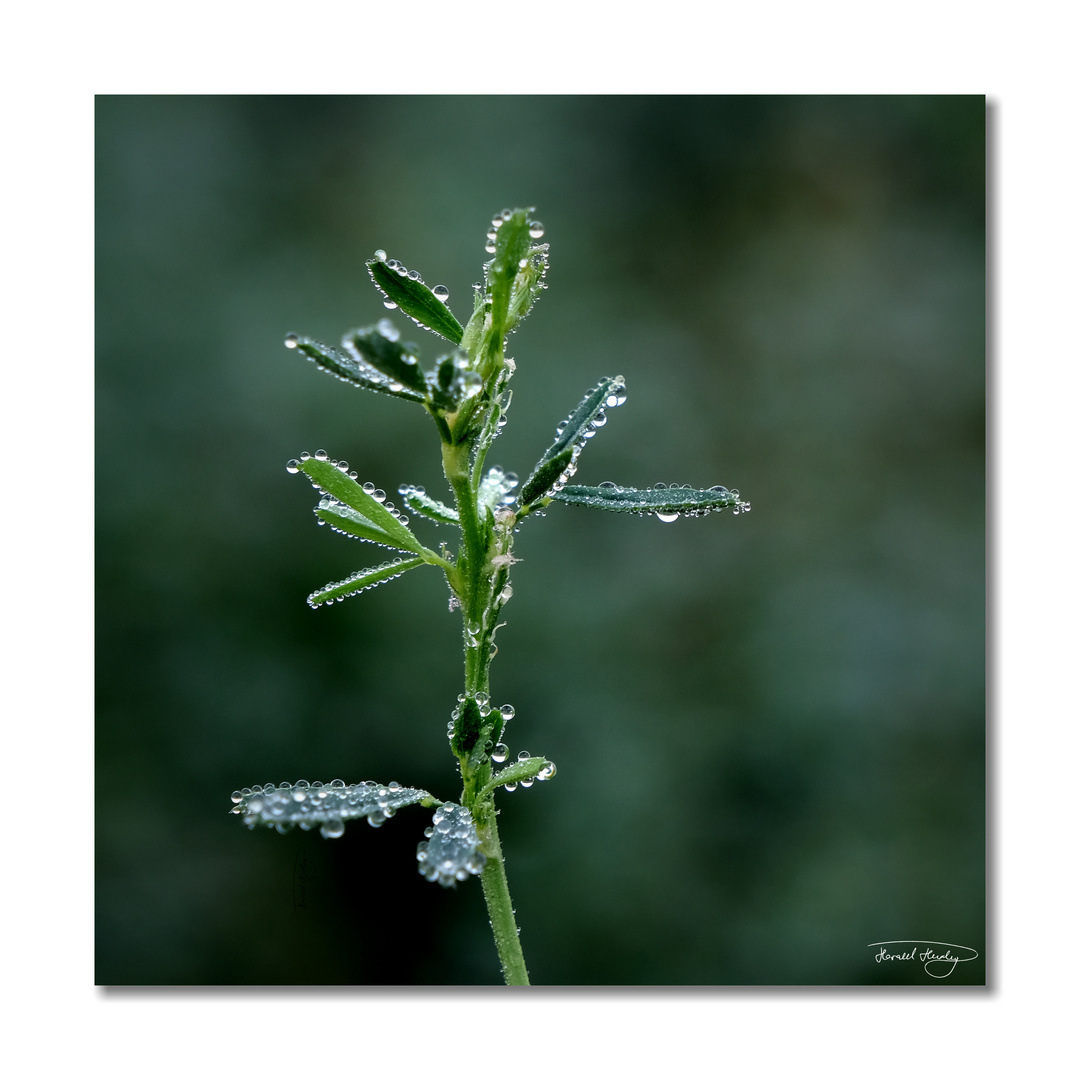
(501,911)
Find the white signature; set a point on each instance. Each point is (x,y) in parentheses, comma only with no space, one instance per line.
(926,956)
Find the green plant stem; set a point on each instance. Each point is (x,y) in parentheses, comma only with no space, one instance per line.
(501,910)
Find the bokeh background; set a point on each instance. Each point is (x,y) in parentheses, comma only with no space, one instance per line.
(770,729)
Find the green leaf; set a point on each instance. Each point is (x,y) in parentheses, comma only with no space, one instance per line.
(284,806)
(521,772)
(666,502)
(452,851)
(362,580)
(454,382)
(380,347)
(414,298)
(350,368)
(417,500)
(329,479)
(559,461)
(512,244)
(344,519)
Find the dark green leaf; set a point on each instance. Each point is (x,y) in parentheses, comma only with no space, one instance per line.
(284,806)
(380,348)
(570,436)
(330,479)
(362,580)
(666,502)
(545,475)
(512,245)
(350,368)
(414,298)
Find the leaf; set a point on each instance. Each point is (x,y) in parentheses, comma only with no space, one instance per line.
(417,500)
(380,347)
(362,580)
(452,851)
(349,368)
(512,244)
(666,502)
(329,479)
(521,772)
(284,806)
(344,519)
(559,461)
(414,298)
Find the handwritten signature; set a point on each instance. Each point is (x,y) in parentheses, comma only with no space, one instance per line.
(932,961)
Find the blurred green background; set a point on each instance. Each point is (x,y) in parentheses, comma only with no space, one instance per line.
(770,729)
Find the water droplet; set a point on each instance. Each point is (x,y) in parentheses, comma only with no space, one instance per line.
(389,305)
(441,292)
(379,495)
(321,455)
(337,784)
(414,275)
(237,797)
(667,517)
(482,699)
(526,783)
(616,398)
(500,753)
(524,755)
(368,488)
(536,230)
(380,255)
(510,787)
(333,828)
(292,465)
(305,456)
(489,247)
(599,420)
(291,341)
(547,772)
(607,485)
(506,215)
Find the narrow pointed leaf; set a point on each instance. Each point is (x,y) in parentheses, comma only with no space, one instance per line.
(344,519)
(332,481)
(380,347)
(571,436)
(415,299)
(534,768)
(284,806)
(350,368)
(665,501)
(422,503)
(528,285)
(512,244)
(362,580)
(453,851)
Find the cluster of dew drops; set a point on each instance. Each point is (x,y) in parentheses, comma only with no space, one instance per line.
(536,230)
(739,507)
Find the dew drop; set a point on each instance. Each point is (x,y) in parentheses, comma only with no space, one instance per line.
(291,341)
(237,797)
(389,305)
(441,292)
(379,495)
(368,488)
(547,772)
(292,465)
(524,755)
(337,784)
(489,247)
(536,230)
(507,712)
(500,753)
(380,255)
(482,699)
(526,783)
(510,787)
(321,455)
(333,828)
(667,517)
